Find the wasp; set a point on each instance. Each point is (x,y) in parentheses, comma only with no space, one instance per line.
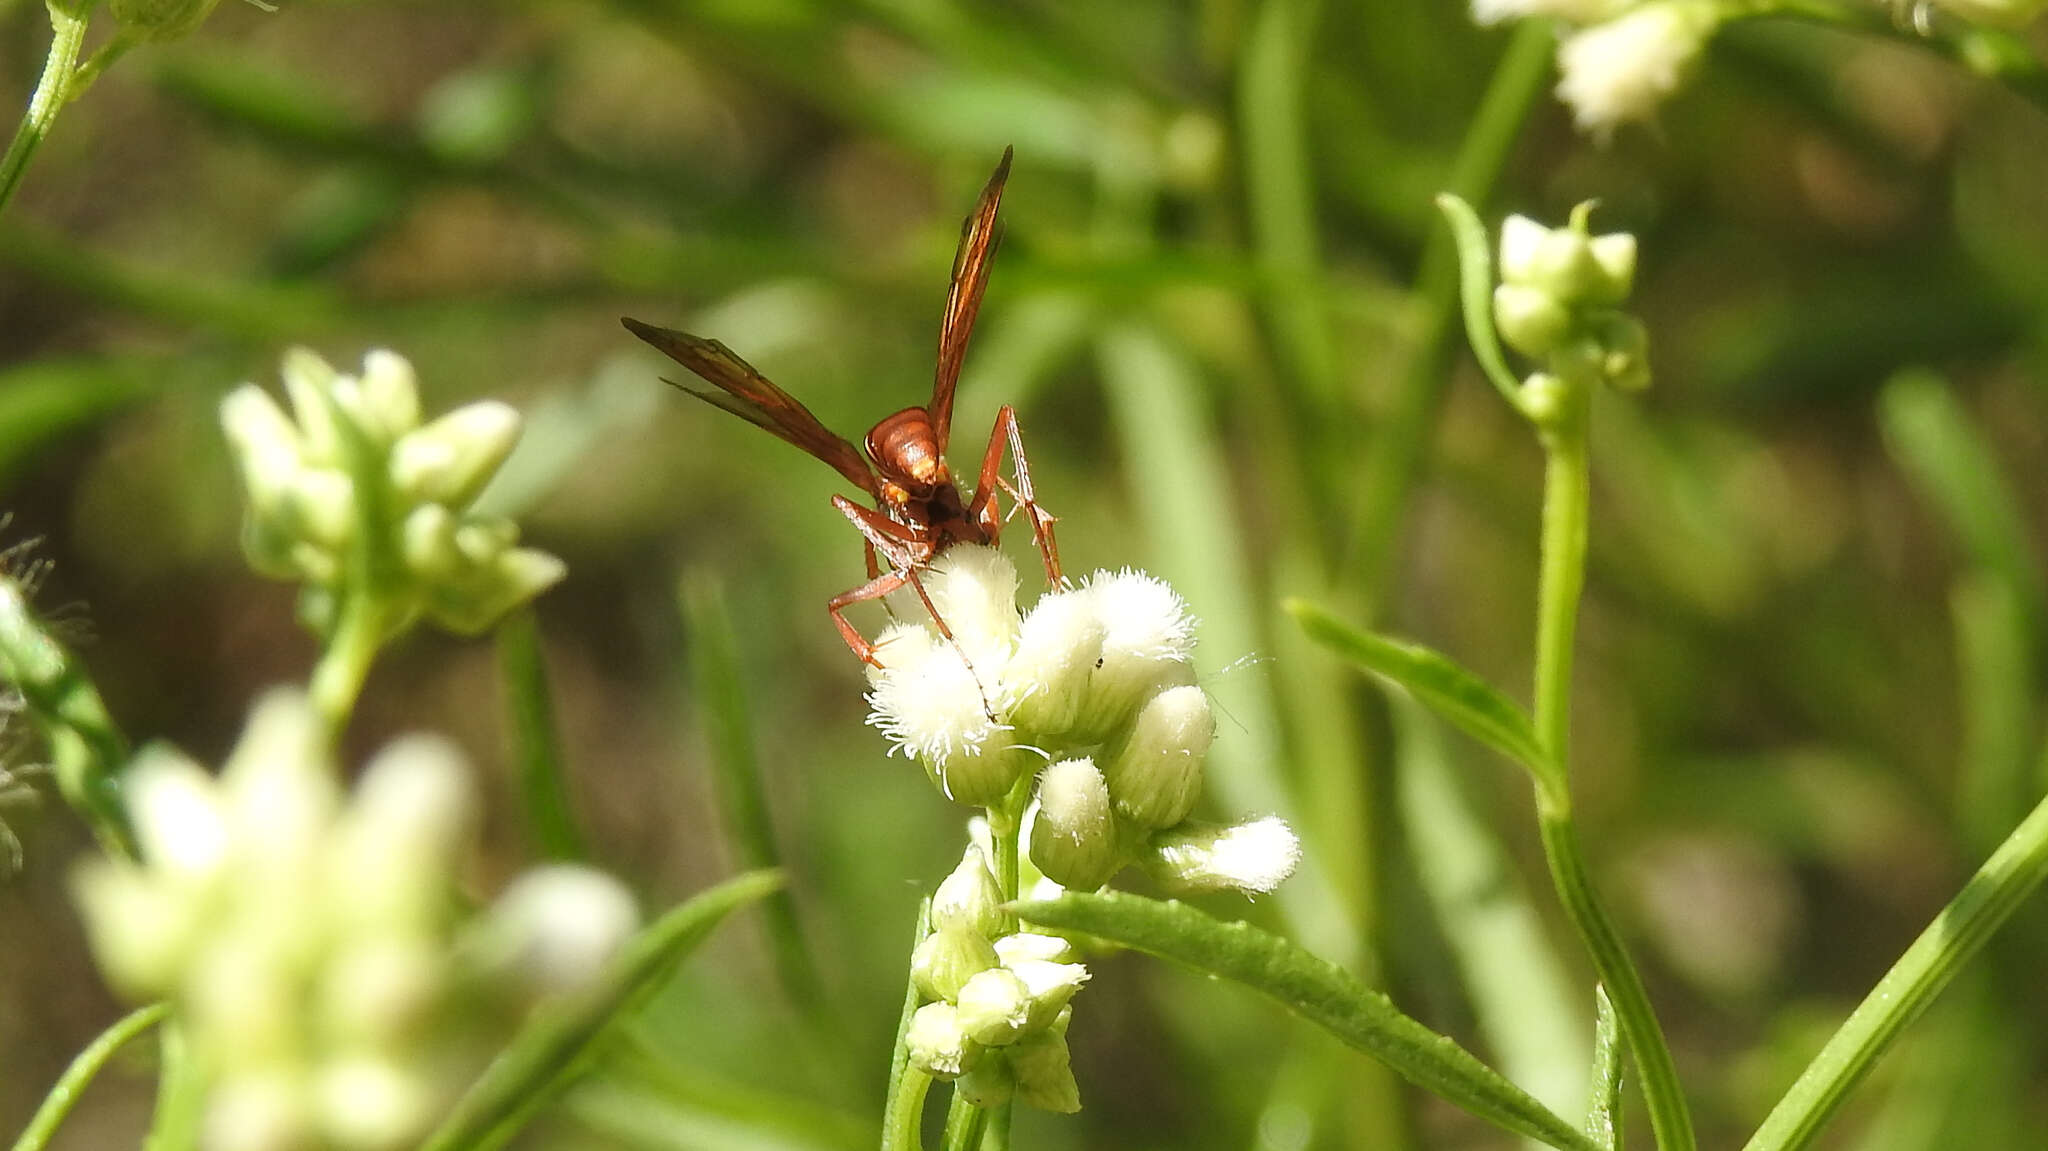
(918,508)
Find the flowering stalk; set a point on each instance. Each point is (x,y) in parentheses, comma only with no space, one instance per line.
(53,91)
(1558,301)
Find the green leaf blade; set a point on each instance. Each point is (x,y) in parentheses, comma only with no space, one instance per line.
(543,1057)
(1434,679)
(1318,991)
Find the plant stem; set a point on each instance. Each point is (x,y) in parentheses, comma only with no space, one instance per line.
(1985,902)
(966,1124)
(52,92)
(1566,496)
(338,678)
(903,1109)
(58,1103)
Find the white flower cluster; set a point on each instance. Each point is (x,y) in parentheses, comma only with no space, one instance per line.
(1560,298)
(1090,696)
(309,521)
(308,941)
(997,1019)
(1623,58)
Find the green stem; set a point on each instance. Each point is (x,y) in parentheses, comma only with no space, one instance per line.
(1985,902)
(52,92)
(338,678)
(1566,496)
(1005,826)
(58,1103)
(965,1125)
(903,1110)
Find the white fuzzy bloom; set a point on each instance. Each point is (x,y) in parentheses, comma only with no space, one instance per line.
(557,927)
(179,823)
(1252,857)
(1624,69)
(1576,11)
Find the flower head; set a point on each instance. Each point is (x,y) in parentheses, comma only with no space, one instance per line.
(1623,69)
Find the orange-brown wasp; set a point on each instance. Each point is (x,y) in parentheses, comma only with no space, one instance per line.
(919,511)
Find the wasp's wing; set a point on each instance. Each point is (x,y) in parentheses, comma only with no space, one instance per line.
(749,395)
(978,236)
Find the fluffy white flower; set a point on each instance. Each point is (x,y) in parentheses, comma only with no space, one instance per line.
(1624,69)
(1251,857)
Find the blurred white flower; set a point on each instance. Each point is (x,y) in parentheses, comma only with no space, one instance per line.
(1624,69)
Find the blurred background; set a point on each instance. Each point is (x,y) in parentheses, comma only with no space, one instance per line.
(1810,668)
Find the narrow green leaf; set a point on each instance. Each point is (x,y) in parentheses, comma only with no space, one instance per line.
(903,1111)
(1316,990)
(1931,435)
(42,400)
(718,691)
(544,1056)
(536,748)
(1447,689)
(79,1075)
(1475,294)
(1610,1055)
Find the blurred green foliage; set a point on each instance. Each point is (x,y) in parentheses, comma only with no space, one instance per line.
(1810,677)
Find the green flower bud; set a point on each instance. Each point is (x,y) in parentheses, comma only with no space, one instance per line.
(1253,857)
(472,605)
(968,898)
(1624,352)
(938,1045)
(1047,679)
(320,507)
(1043,1071)
(946,959)
(1543,398)
(29,658)
(989,1084)
(1074,835)
(451,459)
(427,543)
(309,381)
(994,1007)
(1154,768)
(1615,253)
(1530,319)
(161,19)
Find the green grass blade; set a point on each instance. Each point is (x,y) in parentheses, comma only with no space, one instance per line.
(1930,434)
(42,400)
(546,1053)
(1446,688)
(1475,294)
(1527,1006)
(719,692)
(536,748)
(1318,991)
(79,1075)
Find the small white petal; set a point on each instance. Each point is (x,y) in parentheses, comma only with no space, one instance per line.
(1624,69)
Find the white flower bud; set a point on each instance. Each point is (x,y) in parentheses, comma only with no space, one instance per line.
(241,992)
(557,927)
(1615,253)
(380,992)
(933,706)
(994,1007)
(1074,835)
(309,383)
(451,459)
(180,824)
(1543,398)
(266,1111)
(1047,679)
(989,1084)
(142,934)
(367,1103)
(426,541)
(946,959)
(1623,69)
(320,505)
(974,586)
(1049,986)
(390,393)
(1148,636)
(1043,1070)
(1253,857)
(279,787)
(1521,238)
(1576,11)
(1154,769)
(937,1044)
(1019,946)
(398,842)
(266,445)
(968,899)
(900,646)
